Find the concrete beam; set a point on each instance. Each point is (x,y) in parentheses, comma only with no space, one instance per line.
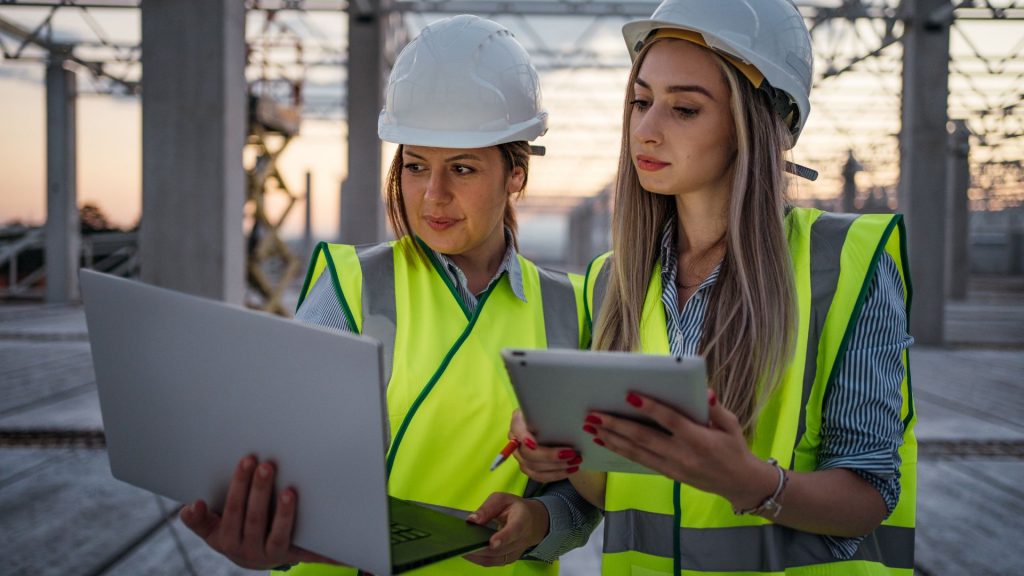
(63,236)
(923,137)
(193,130)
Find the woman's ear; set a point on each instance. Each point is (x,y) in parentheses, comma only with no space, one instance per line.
(516,180)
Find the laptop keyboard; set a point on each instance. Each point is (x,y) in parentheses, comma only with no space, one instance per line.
(400,533)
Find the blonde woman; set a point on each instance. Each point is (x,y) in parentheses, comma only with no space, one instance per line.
(462,103)
(808,464)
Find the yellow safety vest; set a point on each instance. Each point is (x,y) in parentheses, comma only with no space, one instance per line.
(656,526)
(449,398)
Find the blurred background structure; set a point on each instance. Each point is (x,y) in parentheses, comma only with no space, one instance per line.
(212,161)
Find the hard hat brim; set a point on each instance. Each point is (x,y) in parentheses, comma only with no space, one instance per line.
(524,131)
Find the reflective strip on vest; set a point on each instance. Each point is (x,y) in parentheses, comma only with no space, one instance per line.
(828,233)
(561,321)
(765,548)
(600,289)
(378,296)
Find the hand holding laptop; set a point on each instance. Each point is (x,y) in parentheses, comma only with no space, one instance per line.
(523,524)
(241,533)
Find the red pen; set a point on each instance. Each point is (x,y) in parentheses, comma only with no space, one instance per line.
(507,451)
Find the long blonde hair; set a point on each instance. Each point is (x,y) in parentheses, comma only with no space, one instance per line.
(749,328)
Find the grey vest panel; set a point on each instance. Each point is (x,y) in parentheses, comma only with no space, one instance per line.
(561,322)
(600,289)
(765,548)
(379,316)
(828,234)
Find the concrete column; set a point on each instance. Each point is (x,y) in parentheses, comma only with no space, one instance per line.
(581,234)
(1015,250)
(922,192)
(194,113)
(958,180)
(63,236)
(362,212)
(307,235)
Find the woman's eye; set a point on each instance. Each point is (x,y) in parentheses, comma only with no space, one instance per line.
(640,104)
(462,170)
(413,167)
(686,112)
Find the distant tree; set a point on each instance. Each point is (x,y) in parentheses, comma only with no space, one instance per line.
(93,219)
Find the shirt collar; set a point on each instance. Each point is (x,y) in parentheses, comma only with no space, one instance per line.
(510,264)
(670,257)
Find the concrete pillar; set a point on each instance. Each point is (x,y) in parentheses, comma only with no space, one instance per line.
(581,234)
(922,192)
(850,170)
(958,180)
(362,212)
(63,236)
(194,112)
(1015,250)
(307,235)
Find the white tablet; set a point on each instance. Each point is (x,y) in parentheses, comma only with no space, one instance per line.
(558,388)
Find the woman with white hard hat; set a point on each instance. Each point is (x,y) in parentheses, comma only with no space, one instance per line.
(808,462)
(462,103)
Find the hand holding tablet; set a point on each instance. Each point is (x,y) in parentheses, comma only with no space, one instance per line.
(558,388)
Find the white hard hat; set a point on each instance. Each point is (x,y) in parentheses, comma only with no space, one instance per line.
(464,82)
(765,39)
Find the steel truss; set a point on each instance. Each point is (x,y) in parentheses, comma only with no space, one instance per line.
(857,44)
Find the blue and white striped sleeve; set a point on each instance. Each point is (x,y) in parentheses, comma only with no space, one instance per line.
(862,429)
(321,306)
(571,519)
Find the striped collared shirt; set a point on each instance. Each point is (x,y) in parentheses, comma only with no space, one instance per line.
(861,425)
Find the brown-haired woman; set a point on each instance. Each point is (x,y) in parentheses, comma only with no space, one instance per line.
(444,298)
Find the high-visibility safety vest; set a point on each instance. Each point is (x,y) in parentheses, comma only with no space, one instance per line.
(449,398)
(656,526)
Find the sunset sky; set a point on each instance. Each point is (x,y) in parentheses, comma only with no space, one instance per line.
(858,110)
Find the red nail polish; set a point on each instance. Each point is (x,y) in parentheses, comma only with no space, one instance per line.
(712,398)
(530,444)
(634,400)
(573,470)
(576,461)
(598,441)
(589,429)
(566,454)
(593,419)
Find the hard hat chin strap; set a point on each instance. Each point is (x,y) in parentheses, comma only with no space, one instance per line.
(801,171)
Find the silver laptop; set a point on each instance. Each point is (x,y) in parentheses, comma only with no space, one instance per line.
(189,386)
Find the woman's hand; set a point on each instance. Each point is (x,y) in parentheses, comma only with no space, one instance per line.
(522,524)
(242,534)
(713,458)
(541,463)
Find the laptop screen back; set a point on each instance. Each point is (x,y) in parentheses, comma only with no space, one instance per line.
(189,386)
